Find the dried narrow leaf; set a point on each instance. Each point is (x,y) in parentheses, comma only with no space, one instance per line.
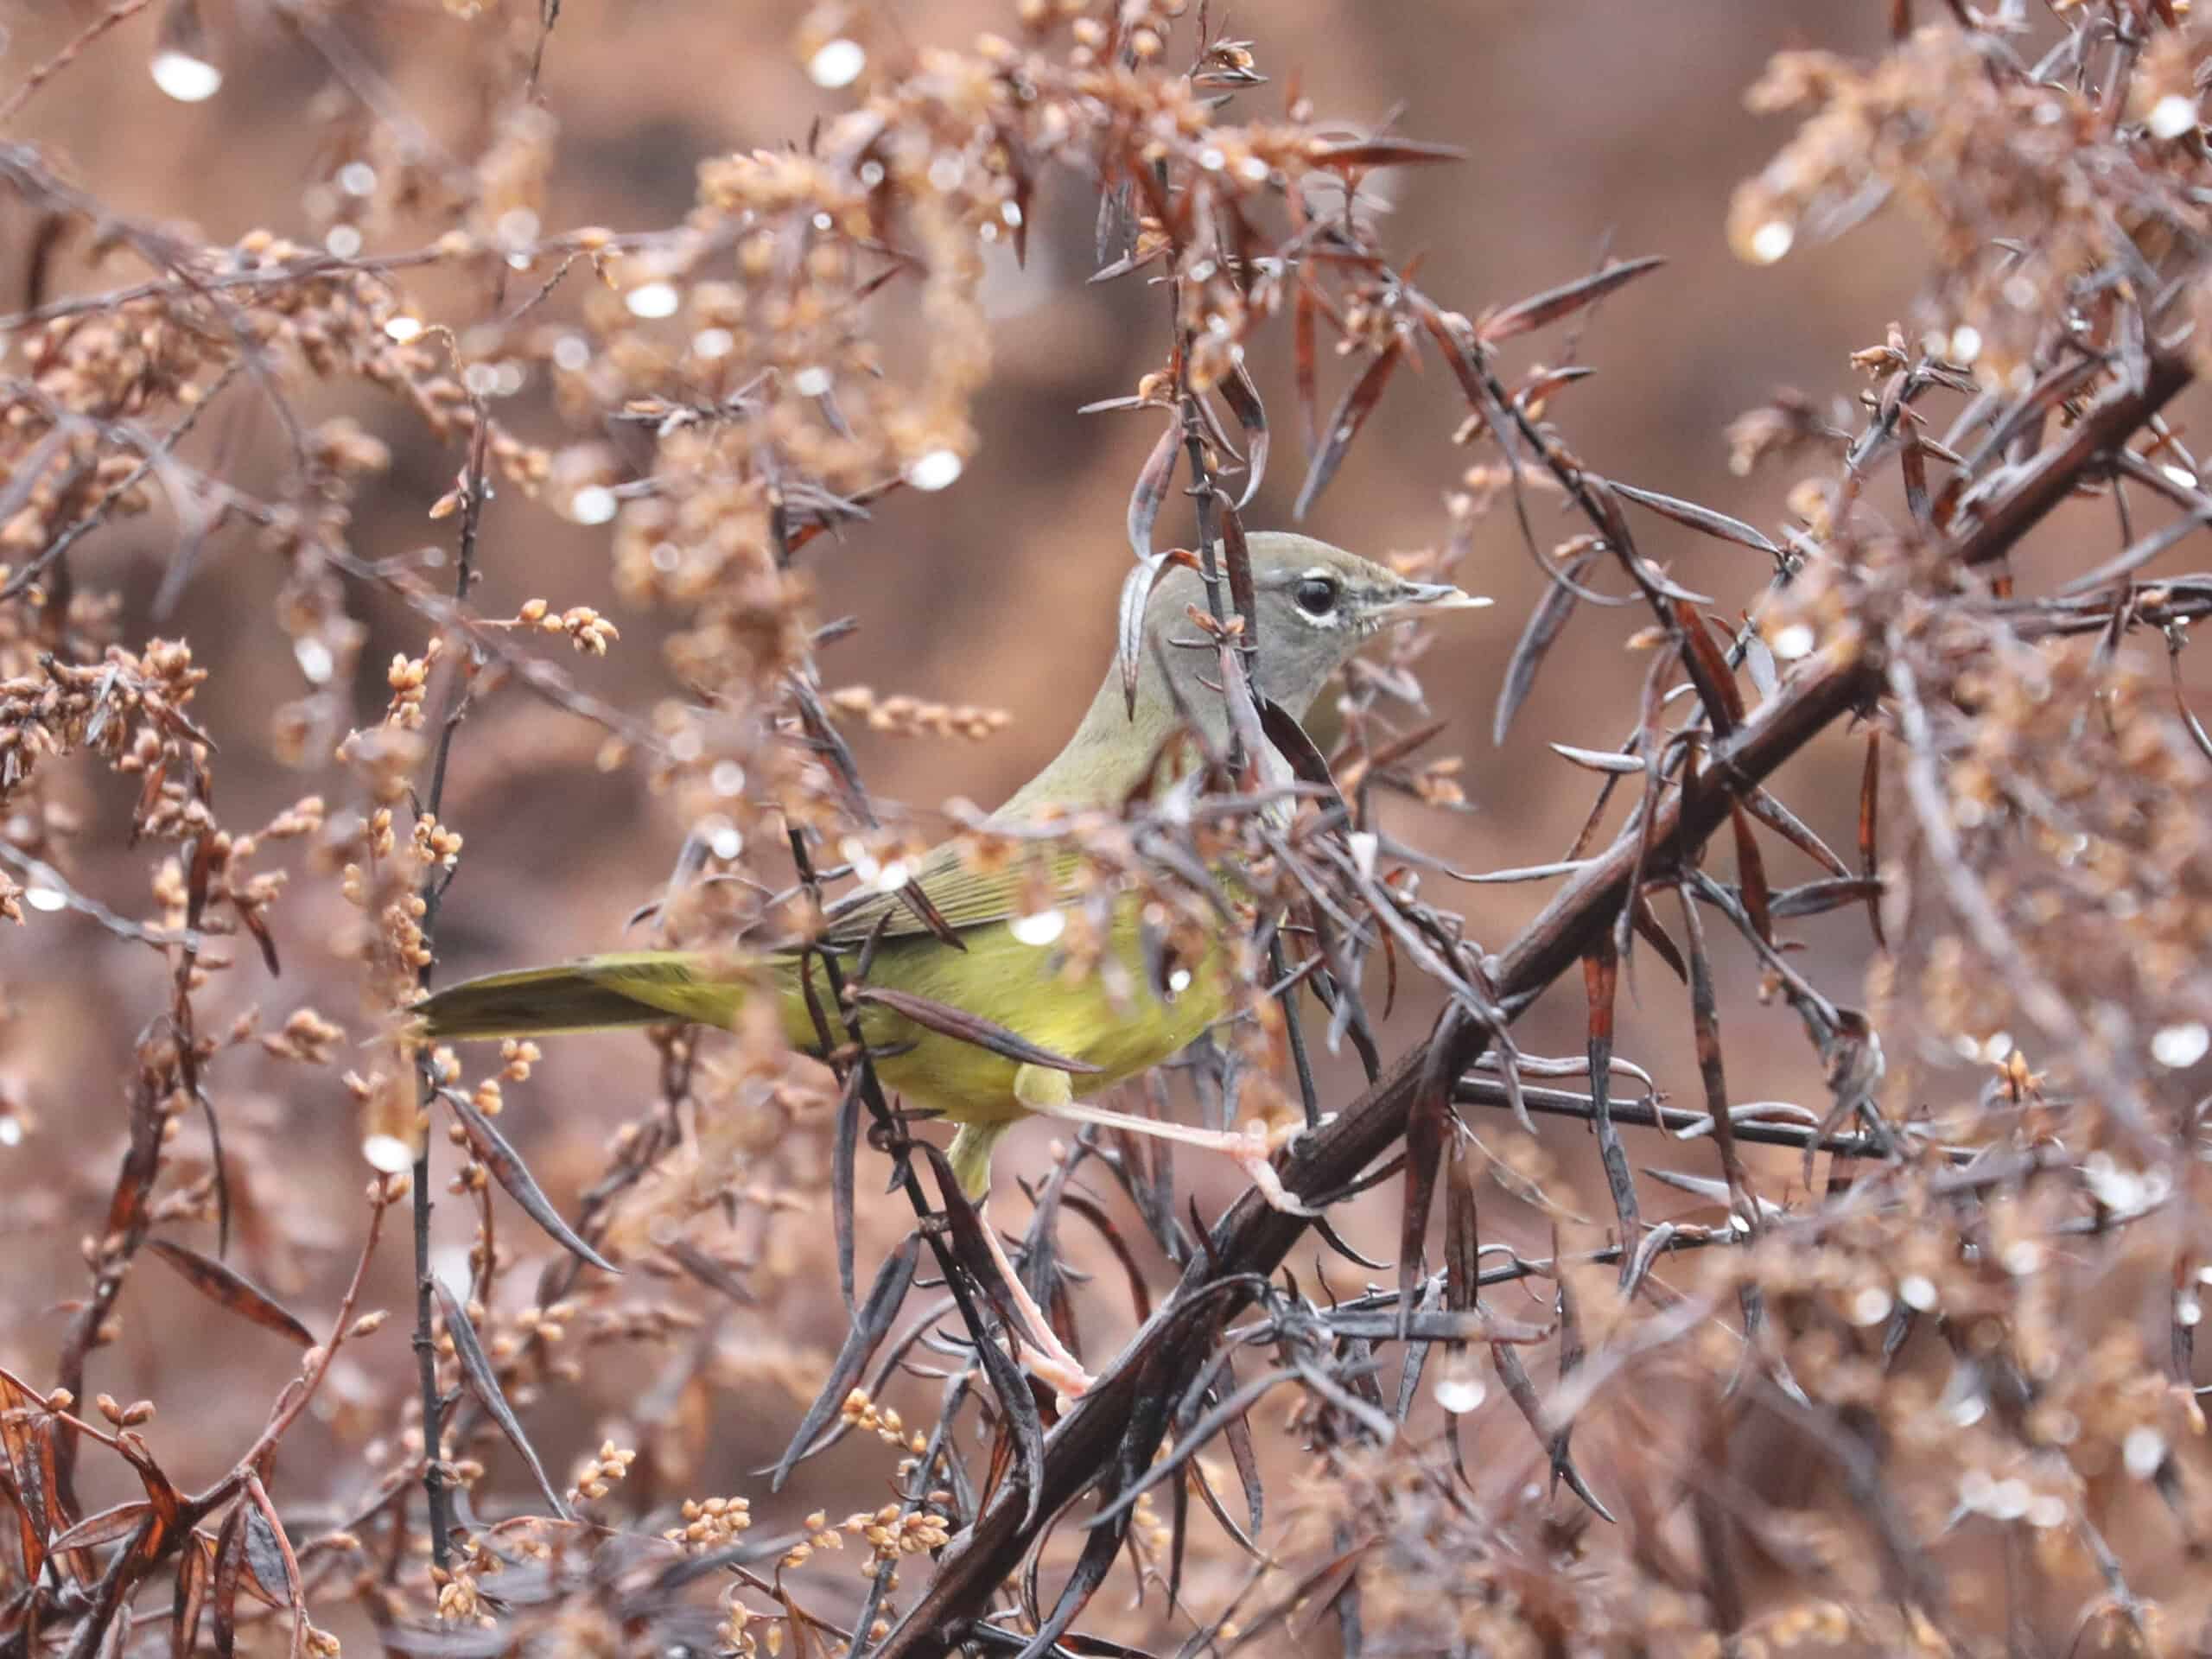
(1024,187)
(1195,1480)
(1870,800)
(265,1556)
(1708,671)
(109,1525)
(869,1326)
(1526,872)
(823,734)
(228,1288)
(166,1500)
(2139,553)
(1913,463)
(1751,872)
(843,1162)
(1534,394)
(1818,898)
(963,1027)
(714,1276)
(1115,225)
(195,1580)
(1417,1350)
(1238,1433)
(1545,621)
(1772,813)
(1522,1392)
(1350,414)
(1601,983)
(484,1383)
(26,1440)
(1649,743)
(1568,1309)
(1462,1245)
(1236,559)
(12,1503)
(997,1467)
(250,917)
(1539,309)
(1149,493)
(1429,1124)
(1354,155)
(1718,525)
(507,1168)
(1198,410)
(1759,664)
(1648,1250)
(1305,312)
(1404,744)
(1128,649)
(1705,1014)
(925,910)
(1242,398)
(268,1538)
(1308,764)
(229,1572)
(1140,1293)
(219,1167)
(1702,1186)
(851,506)
(1649,929)
(1607,760)
(126,1209)
(1019,1421)
(1654,581)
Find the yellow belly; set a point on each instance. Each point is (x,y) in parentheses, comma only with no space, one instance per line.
(1019,987)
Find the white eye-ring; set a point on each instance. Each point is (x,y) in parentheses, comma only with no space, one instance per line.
(1317,593)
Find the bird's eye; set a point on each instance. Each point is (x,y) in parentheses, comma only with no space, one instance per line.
(1317,595)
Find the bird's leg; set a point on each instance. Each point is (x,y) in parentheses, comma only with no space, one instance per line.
(1253,1148)
(1046,1357)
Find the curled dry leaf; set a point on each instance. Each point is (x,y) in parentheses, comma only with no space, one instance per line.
(229,1289)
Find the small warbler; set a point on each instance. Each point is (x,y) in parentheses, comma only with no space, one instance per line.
(1315,604)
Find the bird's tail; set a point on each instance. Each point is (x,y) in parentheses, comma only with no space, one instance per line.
(635,987)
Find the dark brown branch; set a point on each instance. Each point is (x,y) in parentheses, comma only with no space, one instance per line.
(1253,1240)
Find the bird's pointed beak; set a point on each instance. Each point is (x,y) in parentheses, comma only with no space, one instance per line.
(1416,599)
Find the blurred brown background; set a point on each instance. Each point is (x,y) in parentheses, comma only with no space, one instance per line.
(1589,128)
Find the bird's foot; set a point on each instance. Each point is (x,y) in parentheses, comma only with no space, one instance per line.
(1059,1370)
(1034,1345)
(1255,1151)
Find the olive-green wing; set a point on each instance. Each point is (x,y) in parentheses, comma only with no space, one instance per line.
(965,898)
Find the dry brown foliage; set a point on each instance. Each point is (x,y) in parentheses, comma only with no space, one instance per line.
(1906,1363)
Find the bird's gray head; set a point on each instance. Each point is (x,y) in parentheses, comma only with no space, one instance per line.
(1315,605)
